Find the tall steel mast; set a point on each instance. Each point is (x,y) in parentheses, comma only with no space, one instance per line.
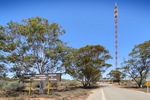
(116,33)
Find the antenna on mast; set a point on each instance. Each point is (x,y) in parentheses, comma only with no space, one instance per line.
(116,33)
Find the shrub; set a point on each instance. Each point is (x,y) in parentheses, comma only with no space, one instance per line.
(73,83)
(14,86)
(2,83)
(69,83)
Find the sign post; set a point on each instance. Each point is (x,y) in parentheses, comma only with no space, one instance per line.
(30,88)
(41,77)
(48,88)
(147,84)
(147,89)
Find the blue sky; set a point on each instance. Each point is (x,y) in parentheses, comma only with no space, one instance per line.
(88,22)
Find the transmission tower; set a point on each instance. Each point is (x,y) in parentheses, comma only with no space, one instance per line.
(116,34)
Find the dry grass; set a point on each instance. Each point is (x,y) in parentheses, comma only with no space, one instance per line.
(64,90)
(131,87)
(59,93)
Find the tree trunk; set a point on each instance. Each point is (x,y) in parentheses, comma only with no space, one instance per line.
(84,85)
(140,84)
(118,82)
(41,87)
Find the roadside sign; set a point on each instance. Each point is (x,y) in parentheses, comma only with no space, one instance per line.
(42,77)
(147,84)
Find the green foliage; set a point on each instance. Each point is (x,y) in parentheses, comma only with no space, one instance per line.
(3,68)
(3,83)
(116,75)
(14,86)
(73,83)
(69,83)
(138,65)
(32,46)
(3,71)
(87,63)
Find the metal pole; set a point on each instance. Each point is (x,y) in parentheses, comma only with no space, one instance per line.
(48,88)
(30,88)
(116,33)
(147,89)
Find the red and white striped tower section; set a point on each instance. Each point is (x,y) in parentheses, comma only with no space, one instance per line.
(116,33)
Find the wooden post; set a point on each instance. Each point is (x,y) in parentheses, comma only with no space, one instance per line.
(30,88)
(48,88)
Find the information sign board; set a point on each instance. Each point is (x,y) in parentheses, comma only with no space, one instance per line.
(42,77)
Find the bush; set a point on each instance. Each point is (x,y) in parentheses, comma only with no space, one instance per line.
(14,86)
(69,83)
(73,83)
(3,83)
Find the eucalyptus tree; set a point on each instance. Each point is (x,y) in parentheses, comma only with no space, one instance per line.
(34,46)
(116,75)
(3,68)
(138,65)
(86,64)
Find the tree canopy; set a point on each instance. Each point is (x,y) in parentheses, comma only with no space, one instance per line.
(3,69)
(138,65)
(116,75)
(32,46)
(87,63)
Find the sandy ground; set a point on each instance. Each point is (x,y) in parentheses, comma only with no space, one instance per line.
(25,99)
(95,94)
